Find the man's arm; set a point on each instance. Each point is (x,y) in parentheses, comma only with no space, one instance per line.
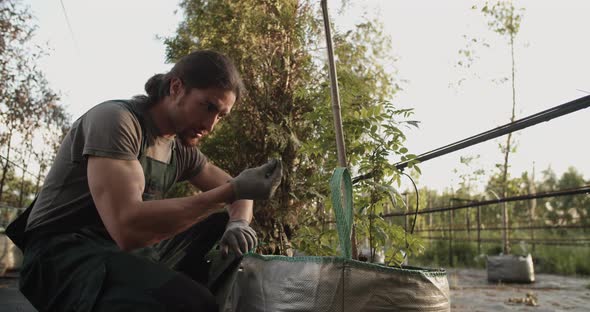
(211,177)
(117,186)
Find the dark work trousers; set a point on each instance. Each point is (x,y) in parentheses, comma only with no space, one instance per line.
(86,271)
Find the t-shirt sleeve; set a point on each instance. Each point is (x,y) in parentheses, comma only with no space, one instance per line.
(192,161)
(111,130)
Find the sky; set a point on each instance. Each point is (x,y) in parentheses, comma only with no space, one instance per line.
(113,46)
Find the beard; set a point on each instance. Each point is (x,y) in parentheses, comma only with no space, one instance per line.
(187,139)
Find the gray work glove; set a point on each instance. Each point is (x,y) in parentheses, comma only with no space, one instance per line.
(258,183)
(239,237)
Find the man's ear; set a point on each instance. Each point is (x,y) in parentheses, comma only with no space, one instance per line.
(176,87)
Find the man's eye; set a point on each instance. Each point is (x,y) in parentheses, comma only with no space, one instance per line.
(211,107)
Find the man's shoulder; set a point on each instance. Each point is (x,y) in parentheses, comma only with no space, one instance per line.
(113,110)
(109,129)
(112,106)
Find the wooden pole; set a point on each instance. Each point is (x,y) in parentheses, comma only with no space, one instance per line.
(334,88)
(340,147)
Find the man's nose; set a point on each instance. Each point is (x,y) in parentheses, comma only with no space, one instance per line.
(209,124)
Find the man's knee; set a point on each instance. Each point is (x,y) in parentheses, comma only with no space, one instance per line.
(176,295)
(183,294)
(133,284)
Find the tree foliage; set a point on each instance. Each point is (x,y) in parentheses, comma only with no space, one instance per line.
(31,121)
(278,48)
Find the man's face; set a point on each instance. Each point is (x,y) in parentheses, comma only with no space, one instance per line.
(197,111)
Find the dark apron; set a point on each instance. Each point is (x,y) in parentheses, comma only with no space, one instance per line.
(84,270)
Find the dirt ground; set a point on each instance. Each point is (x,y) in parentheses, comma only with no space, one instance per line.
(471,292)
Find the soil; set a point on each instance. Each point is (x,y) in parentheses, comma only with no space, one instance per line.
(470,291)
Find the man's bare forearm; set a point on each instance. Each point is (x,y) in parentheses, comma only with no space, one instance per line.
(241,210)
(149,222)
(212,176)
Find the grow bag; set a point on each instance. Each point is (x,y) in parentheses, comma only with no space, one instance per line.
(260,283)
(511,268)
(277,283)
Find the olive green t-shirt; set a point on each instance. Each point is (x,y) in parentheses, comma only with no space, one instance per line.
(111,129)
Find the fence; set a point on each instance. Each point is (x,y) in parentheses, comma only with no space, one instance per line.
(533,234)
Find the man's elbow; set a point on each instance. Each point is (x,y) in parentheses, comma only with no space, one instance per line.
(125,240)
(121,238)
(119,223)
(123,233)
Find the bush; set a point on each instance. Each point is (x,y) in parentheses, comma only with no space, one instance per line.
(562,260)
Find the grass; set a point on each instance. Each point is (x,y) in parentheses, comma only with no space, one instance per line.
(563,260)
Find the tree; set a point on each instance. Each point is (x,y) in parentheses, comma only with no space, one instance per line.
(572,209)
(28,107)
(504,19)
(286,112)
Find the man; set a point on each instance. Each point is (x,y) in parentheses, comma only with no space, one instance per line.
(100,236)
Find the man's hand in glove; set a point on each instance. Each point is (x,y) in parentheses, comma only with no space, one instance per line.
(258,183)
(239,237)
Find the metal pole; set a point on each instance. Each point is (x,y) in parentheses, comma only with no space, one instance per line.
(467,223)
(451,238)
(533,205)
(478,230)
(546,115)
(429,221)
(573,191)
(406,214)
